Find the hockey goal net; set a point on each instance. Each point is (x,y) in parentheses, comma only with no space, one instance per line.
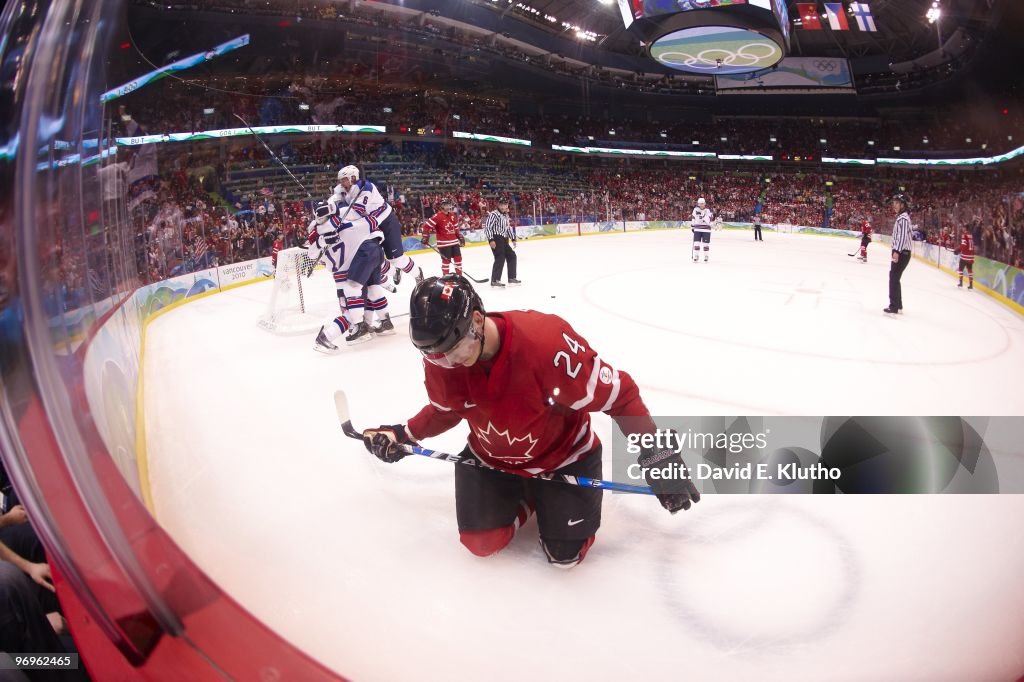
(299,303)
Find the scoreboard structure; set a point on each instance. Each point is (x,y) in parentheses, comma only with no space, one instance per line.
(711,37)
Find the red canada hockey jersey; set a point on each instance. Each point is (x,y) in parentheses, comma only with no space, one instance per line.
(530,413)
(967,247)
(445,226)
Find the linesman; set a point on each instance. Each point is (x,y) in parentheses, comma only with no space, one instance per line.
(900,205)
(502,238)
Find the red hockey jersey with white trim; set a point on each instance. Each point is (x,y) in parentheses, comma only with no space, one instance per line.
(531,412)
(967,247)
(445,226)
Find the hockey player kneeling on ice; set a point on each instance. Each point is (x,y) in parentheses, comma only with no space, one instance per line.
(367,202)
(526,382)
(355,256)
(700,223)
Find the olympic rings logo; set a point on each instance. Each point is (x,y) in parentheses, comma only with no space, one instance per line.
(825,66)
(717,57)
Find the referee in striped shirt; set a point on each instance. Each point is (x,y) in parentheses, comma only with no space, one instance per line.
(502,238)
(900,205)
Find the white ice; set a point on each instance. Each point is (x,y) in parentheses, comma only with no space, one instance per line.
(358,563)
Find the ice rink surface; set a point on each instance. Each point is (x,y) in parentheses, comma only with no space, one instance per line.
(359,564)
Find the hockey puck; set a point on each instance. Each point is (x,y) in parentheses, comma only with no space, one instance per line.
(552,297)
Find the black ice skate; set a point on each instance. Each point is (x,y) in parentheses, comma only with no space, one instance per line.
(323,344)
(397,277)
(512,281)
(419,275)
(496,283)
(892,310)
(384,327)
(358,334)
(960,285)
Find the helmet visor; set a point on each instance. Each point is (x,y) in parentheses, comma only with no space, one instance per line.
(457,355)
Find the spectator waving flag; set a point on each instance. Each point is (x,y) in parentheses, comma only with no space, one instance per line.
(836,16)
(862,13)
(809,15)
(199,249)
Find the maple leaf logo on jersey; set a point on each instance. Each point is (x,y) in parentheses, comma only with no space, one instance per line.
(503,437)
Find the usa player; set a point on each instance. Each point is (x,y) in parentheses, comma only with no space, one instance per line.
(966,253)
(700,223)
(865,239)
(365,200)
(445,225)
(526,382)
(353,252)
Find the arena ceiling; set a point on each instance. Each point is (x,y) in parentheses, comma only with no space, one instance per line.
(903,31)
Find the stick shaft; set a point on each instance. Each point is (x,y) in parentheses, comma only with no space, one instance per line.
(469,460)
(478,281)
(275,157)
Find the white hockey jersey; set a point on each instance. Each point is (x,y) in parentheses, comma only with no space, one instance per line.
(701,219)
(369,205)
(338,253)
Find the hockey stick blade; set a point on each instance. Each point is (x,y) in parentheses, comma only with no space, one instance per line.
(341,406)
(464,273)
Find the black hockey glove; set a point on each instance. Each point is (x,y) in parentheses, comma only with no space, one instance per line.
(462,240)
(662,470)
(383,442)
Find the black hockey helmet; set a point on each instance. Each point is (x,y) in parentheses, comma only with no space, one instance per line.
(902,197)
(441,312)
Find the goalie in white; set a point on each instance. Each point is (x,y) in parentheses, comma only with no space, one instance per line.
(365,200)
(353,252)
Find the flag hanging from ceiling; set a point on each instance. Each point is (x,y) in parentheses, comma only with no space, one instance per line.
(836,16)
(862,13)
(809,15)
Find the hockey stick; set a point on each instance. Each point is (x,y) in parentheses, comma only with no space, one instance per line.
(341,405)
(314,261)
(275,157)
(478,281)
